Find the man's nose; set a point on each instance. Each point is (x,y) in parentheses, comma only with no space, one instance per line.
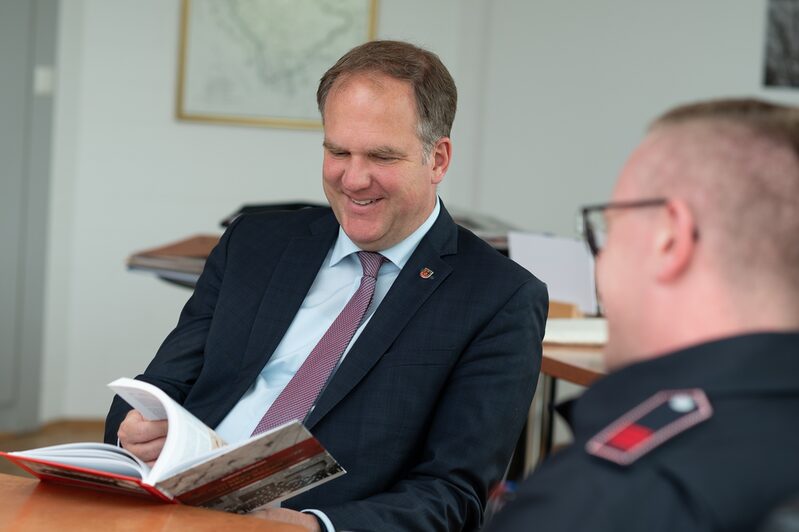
(357,175)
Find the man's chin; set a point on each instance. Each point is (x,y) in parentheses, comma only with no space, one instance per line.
(366,240)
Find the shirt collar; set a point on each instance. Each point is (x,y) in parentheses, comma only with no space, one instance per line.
(398,254)
(754,364)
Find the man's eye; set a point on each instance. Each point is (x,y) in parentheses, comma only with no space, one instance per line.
(384,158)
(337,153)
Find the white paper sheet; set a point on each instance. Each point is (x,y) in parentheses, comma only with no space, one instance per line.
(564,264)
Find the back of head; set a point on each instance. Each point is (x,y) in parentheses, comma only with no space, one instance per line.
(736,163)
(433,86)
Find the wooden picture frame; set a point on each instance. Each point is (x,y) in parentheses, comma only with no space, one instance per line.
(258,62)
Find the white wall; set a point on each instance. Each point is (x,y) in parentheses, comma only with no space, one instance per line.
(571,86)
(553,96)
(128,176)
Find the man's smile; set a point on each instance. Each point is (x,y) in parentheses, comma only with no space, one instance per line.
(364,202)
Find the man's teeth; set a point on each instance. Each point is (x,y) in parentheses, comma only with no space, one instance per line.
(362,202)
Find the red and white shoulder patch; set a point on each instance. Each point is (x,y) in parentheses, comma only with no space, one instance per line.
(650,424)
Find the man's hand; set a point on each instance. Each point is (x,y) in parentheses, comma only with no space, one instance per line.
(143,438)
(284,515)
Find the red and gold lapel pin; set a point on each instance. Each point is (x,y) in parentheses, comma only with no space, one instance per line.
(426,273)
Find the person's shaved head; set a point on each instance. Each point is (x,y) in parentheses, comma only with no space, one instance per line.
(736,163)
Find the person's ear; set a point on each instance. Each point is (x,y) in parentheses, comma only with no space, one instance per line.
(439,158)
(675,241)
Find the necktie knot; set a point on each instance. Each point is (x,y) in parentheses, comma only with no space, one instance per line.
(371,262)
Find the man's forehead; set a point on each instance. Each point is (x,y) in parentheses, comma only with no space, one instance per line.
(362,96)
(370,79)
(656,157)
(638,165)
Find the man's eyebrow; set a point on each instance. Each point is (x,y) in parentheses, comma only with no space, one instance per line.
(331,147)
(386,151)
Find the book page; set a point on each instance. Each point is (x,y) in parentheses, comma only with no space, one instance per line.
(87,477)
(100,456)
(187,437)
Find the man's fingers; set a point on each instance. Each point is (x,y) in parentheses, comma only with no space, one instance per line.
(136,429)
(143,438)
(147,452)
(145,431)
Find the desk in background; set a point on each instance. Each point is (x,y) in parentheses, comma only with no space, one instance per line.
(578,364)
(573,363)
(182,261)
(30,505)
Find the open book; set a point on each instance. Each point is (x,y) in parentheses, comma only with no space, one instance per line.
(195,466)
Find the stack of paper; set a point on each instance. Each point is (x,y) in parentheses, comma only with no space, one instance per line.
(576,331)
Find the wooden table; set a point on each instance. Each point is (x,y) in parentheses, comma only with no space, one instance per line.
(577,364)
(27,504)
(573,363)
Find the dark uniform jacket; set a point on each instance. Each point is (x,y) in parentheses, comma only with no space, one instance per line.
(703,439)
(424,410)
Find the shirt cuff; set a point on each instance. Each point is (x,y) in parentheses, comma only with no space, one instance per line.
(327,525)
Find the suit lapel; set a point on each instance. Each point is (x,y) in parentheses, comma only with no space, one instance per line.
(292,278)
(409,291)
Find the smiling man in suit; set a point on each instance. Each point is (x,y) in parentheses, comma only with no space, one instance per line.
(409,347)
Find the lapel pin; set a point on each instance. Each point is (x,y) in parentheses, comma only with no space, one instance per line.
(426,273)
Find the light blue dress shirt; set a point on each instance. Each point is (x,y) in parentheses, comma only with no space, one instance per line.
(336,282)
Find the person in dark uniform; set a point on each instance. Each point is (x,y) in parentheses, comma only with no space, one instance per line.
(696,428)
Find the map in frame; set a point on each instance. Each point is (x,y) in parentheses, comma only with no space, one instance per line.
(258,62)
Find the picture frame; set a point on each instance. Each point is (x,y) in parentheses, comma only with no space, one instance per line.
(258,62)
(781,62)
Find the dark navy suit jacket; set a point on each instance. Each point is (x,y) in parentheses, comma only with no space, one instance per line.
(424,410)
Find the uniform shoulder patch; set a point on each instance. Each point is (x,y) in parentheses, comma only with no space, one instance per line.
(650,424)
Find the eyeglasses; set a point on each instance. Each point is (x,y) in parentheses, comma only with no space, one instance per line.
(594,224)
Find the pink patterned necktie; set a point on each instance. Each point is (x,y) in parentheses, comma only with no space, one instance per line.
(301,392)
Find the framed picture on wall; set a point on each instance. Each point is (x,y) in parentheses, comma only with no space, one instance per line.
(258,62)
(781,66)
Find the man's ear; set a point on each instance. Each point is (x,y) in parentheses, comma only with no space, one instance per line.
(440,157)
(675,241)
